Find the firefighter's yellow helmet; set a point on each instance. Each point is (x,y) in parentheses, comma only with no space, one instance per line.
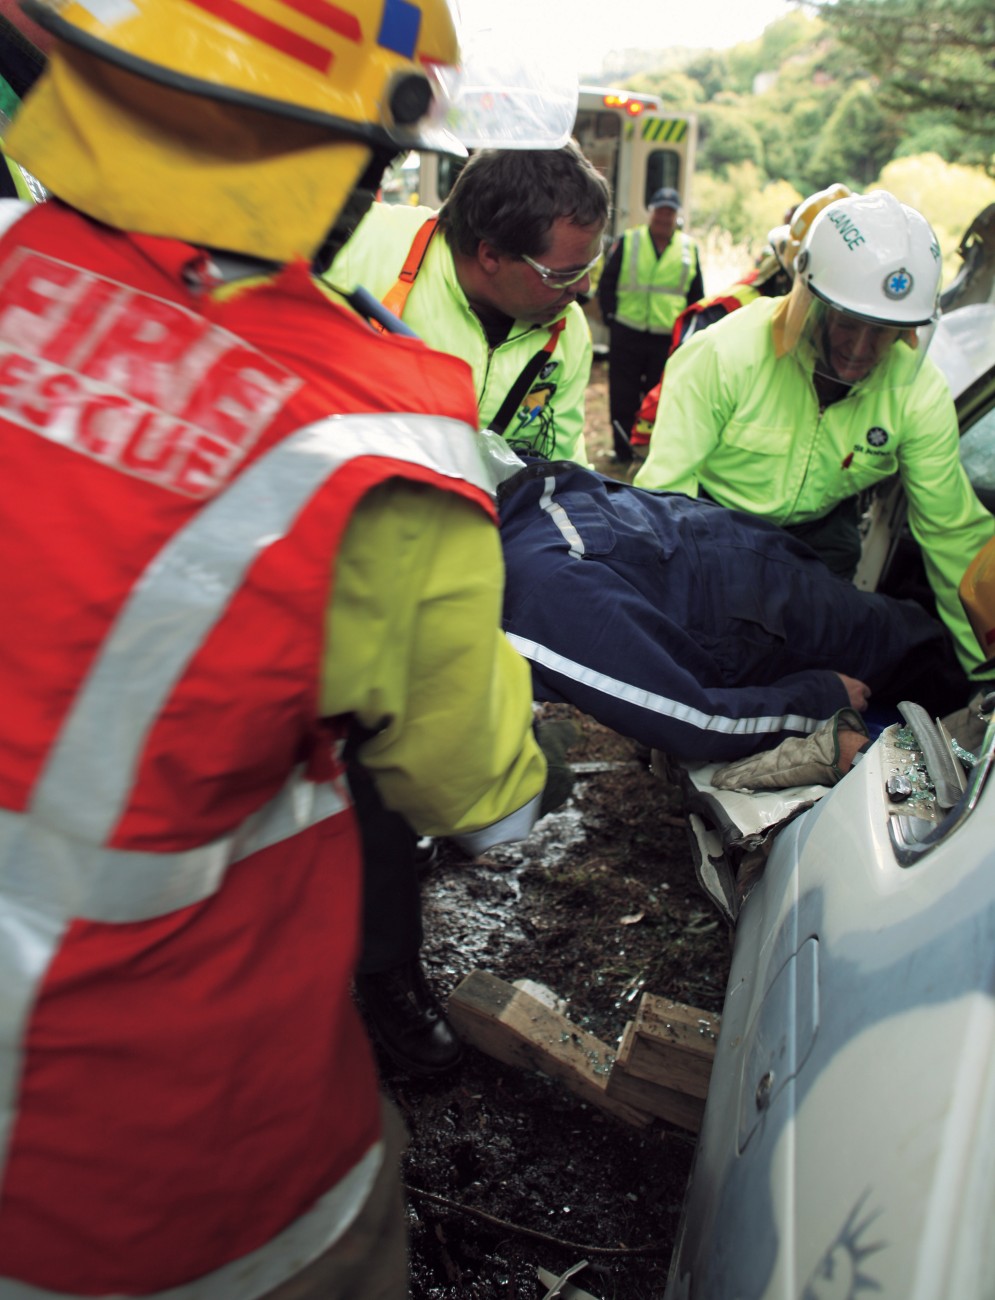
(254,126)
(366,68)
(787,239)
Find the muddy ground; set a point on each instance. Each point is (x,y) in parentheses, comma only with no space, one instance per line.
(507,1171)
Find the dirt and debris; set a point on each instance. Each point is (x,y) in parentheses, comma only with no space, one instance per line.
(507,1172)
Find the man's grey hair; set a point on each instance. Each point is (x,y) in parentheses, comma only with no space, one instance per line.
(510,198)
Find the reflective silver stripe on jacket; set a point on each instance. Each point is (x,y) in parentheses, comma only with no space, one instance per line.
(54,863)
(86,783)
(633,284)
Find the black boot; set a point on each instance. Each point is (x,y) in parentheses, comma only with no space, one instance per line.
(407,1019)
(425,853)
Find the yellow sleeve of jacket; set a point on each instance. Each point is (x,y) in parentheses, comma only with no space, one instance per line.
(945,516)
(415,652)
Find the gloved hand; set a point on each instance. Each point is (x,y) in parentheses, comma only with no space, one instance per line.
(801,760)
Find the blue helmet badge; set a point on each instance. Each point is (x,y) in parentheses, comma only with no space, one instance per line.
(898,284)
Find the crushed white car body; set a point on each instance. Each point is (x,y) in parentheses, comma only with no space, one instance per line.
(848,1142)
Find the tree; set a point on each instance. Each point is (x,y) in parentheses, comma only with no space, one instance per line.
(936,132)
(780,41)
(782,149)
(927,54)
(791,116)
(711,70)
(676,89)
(859,138)
(727,139)
(742,205)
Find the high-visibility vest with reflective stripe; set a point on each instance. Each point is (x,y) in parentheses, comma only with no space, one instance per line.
(179,871)
(653,291)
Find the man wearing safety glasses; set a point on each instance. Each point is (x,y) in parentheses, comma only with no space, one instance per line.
(792,406)
(494,278)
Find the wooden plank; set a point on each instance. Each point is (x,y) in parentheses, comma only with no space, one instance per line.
(514,1027)
(665,1103)
(671,1045)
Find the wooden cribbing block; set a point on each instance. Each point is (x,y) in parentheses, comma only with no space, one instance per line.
(514,1027)
(665,1103)
(670,1044)
(668,1049)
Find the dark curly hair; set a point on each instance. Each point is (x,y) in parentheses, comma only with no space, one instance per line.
(511,198)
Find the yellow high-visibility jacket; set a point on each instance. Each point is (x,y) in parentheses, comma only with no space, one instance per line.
(739,415)
(550,418)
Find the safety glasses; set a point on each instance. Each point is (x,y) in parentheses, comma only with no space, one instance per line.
(560,279)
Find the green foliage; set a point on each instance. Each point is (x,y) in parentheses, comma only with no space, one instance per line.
(676,89)
(790,114)
(860,137)
(780,42)
(892,93)
(930,55)
(711,70)
(726,139)
(790,36)
(742,204)
(931,133)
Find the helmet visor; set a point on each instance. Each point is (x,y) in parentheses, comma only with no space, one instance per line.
(510,94)
(852,350)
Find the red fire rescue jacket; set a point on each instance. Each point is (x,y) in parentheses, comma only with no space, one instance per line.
(179,875)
